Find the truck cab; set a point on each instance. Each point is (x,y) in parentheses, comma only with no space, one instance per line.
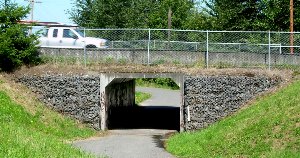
(66,37)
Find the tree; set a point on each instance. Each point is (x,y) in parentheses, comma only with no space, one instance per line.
(16,48)
(181,10)
(102,13)
(82,13)
(130,13)
(277,15)
(249,15)
(237,14)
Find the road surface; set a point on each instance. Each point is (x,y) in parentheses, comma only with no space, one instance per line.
(138,140)
(161,97)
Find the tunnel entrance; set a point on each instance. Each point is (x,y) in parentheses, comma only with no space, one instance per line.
(144,117)
(119,111)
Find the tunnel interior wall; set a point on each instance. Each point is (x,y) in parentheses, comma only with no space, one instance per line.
(120,98)
(120,94)
(210,98)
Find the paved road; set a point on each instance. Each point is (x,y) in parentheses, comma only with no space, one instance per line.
(136,143)
(161,97)
(142,143)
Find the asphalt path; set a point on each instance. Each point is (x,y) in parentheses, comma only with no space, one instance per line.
(139,141)
(161,97)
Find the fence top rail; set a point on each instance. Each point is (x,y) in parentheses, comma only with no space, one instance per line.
(282,32)
(286,46)
(261,44)
(178,30)
(159,41)
(129,29)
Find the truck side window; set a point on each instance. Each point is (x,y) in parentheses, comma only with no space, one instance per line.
(55,32)
(67,33)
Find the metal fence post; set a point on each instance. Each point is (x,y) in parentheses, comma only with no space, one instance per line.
(84,48)
(269,51)
(206,55)
(148,49)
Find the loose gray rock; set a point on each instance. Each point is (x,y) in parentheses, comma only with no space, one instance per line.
(211,98)
(76,96)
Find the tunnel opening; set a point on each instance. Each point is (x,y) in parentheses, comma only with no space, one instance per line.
(122,112)
(154,117)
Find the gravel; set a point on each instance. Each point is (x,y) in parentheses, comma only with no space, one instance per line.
(211,98)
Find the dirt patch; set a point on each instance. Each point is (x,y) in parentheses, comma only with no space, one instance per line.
(95,137)
(297,124)
(277,129)
(105,68)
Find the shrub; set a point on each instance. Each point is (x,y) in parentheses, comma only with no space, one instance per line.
(16,46)
(157,82)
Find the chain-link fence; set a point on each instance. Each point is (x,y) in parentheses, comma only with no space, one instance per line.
(162,46)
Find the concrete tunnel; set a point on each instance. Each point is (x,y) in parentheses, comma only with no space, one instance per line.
(117,99)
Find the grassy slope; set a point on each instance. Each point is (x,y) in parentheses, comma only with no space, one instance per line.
(32,130)
(268,128)
(141,96)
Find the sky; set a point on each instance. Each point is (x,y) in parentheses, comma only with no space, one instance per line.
(50,10)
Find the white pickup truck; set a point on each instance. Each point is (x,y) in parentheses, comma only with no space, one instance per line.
(66,37)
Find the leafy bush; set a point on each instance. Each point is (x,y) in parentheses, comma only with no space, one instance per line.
(16,46)
(157,82)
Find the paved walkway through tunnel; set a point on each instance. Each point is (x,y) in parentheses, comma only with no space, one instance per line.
(138,142)
(161,111)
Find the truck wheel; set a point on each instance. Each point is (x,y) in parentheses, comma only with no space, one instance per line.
(90,46)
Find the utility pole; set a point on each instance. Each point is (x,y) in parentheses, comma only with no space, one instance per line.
(32,2)
(292,26)
(31,12)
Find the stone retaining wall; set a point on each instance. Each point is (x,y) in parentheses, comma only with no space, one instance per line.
(76,96)
(210,98)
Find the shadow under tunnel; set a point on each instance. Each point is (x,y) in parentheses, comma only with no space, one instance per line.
(144,117)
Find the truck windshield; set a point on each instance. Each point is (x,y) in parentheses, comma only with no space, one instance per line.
(79,32)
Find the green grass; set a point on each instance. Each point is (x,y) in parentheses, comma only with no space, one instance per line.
(24,135)
(141,96)
(32,130)
(268,128)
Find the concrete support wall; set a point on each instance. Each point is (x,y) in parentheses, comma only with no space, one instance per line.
(247,59)
(137,56)
(140,56)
